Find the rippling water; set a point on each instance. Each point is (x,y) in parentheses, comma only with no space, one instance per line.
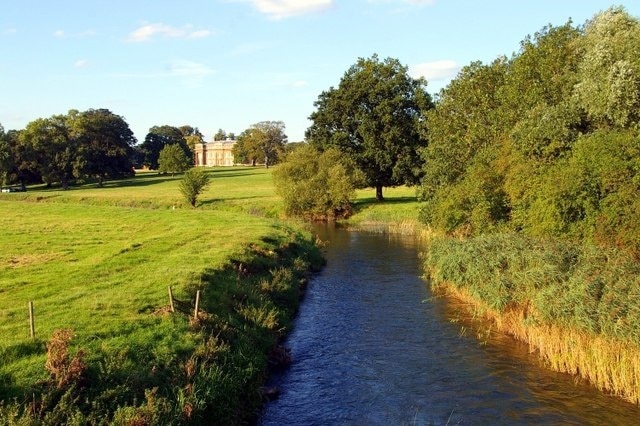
(371,346)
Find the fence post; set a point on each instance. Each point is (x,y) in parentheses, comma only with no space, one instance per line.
(195,312)
(171,300)
(32,327)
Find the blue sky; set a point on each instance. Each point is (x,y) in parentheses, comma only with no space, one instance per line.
(231,63)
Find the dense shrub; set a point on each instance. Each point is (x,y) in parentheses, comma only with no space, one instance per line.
(317,185)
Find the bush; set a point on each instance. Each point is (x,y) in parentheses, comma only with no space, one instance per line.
(316,185)
(195,180)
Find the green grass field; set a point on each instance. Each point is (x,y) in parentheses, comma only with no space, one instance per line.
(99,261)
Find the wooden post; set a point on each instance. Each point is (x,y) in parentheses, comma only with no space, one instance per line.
(32,327)
(195,312)
(171,300)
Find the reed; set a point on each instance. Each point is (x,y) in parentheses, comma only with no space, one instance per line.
(574,306)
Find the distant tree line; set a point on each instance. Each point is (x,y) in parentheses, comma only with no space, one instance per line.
(98,145)
(94,144)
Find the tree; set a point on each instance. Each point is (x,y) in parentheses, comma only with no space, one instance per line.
(52,149)
(373,117)
(192,136)
(173,160)
(105,144)
(157,138)
(194,181)
(263,141)
(317,185)
(220,135)
(6,159)
(609,87)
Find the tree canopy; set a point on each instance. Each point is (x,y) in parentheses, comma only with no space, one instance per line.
(159,137)
(546,142)
(373,117)
(90,144)
(172,159)
(262,142)
(316,185)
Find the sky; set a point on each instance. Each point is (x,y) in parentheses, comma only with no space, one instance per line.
(228,64)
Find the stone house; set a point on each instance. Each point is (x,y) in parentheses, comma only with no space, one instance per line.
(217,153)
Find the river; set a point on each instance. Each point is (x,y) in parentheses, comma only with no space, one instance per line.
(371,346)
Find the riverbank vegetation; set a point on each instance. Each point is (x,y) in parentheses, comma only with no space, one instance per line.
(97,264)
(532,175)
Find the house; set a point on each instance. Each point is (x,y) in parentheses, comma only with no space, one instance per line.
(217,153)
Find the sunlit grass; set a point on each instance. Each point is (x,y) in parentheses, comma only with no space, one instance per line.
(397,213)
(99,261)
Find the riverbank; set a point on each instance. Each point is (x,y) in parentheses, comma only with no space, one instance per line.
(576,307)
(98,263)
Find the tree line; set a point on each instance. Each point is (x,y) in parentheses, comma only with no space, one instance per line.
(98,145)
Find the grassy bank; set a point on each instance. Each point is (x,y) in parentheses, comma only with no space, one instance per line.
(98,262)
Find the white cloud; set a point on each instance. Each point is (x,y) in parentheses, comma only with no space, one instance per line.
(81,63)
(279,9)
(148,31)
(82,34)
(435,71)
(184,68)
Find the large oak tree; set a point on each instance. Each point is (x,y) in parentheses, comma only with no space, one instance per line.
(373,117)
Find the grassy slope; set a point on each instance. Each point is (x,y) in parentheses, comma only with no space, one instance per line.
(99,260)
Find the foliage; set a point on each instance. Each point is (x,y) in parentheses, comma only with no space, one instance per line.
(159,137)
(373,118)
(52,149)
(192,136)
(317,185)
(105,144)
(262,142)
(78,145)
(172,159)
(220,135)
(544,142)
(609,86)
(194,181)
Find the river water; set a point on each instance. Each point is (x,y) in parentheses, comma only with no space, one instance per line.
(371,346)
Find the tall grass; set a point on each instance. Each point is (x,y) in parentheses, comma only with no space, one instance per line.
(98,262)
(576,305)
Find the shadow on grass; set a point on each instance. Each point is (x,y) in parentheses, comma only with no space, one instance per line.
(364,203)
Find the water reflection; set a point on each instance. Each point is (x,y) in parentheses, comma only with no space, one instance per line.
(367,350)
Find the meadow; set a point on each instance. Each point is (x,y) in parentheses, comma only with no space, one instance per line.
(99,261)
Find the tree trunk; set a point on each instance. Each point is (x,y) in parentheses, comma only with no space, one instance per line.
(379,196)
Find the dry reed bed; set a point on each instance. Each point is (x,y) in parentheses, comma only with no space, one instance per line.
(575,307)
(609,364)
